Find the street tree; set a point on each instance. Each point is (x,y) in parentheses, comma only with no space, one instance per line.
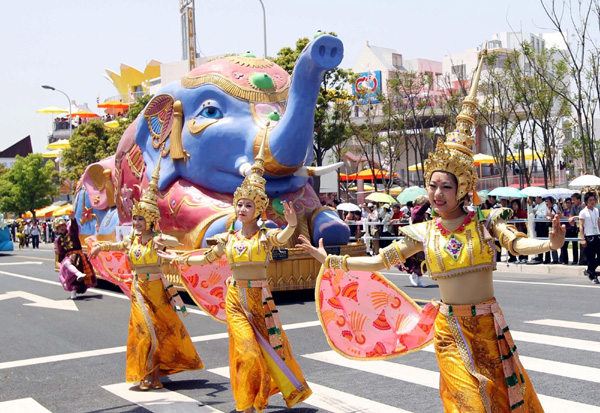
(93,142)
(30,184)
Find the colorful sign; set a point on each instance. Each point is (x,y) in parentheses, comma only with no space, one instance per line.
(367,87)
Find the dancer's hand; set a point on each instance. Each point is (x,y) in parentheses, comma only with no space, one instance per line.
(94,251)
(317,253)
(159,242)
(557,234)
(290,213)
(166,255)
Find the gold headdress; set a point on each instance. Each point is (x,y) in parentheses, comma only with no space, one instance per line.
(147,206)
(58,221)
(253,187)
(456,155)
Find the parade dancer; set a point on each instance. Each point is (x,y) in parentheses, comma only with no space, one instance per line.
(158,343)
(260,357)
(75,272)
(367,317)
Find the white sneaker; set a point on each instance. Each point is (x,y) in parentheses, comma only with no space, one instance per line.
(73,295)
(420,283)
(80,276)
(413,281)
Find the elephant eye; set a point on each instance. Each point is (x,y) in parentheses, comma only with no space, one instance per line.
(211,112)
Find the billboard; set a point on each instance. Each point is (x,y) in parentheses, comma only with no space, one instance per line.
(367,87)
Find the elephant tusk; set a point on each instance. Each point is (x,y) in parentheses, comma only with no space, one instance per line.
(245,168)
(195,128)
(310,171)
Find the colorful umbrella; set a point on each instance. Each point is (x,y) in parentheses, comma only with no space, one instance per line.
(114,104)
(506,192)
(60,144)
(51,154)
(381,197)
(583,181)
(397,190)
(347,206)
(84,114)
(366,188)
(52,109)
(558,193)
(409,194)
(533,191)
(483,193)
(64,210)
(482,159)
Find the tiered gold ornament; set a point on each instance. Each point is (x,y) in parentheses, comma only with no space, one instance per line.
(147,206)
(253,187)
(455,155)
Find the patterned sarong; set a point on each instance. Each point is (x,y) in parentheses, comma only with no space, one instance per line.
(479,364)
(261,362)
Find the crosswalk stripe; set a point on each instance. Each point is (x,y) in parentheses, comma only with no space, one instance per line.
(566,324)
(20,263)
(159,401)
(430,379)
(544,283)
(27,404)
(565,342)
(592,315)
(573,371)
(334,401)
(121,349)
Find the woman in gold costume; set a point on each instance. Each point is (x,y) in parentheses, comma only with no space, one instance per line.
(261,362)
(158,342)
(479,365)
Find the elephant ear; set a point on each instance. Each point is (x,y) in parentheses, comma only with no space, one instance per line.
(159,115)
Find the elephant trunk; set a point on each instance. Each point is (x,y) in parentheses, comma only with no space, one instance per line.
(290,143)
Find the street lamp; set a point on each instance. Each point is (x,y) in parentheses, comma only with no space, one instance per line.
(70,120)
(264,26)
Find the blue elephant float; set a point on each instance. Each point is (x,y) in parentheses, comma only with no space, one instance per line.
(206,129)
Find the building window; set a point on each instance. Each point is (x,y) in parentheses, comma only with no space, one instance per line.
(397,60)
(460,71)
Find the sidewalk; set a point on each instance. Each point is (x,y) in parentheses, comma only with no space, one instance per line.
(551,269)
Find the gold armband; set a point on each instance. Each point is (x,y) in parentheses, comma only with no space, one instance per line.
(105,246)
(337,262)
(210,256)
(182,260)
(508,236)
(391,255)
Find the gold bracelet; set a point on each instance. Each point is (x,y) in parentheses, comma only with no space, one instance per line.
(391,255)
(105,246)
(335,262)
(326,264)
(210,256)
(345,262)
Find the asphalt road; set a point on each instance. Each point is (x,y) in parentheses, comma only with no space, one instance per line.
(59,355)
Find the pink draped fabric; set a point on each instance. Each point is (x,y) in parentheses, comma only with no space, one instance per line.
(113,266)
(206,284)
(366,317)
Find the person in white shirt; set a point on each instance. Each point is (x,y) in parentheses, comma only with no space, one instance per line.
(589,227)
(34,232)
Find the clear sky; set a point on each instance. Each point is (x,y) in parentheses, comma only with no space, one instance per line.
(68,44)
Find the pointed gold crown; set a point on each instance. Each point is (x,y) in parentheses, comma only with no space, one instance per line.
(455,155)
(253,187)
(147,206)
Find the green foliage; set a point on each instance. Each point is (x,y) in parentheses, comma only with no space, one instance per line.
(93,142)
(30,184)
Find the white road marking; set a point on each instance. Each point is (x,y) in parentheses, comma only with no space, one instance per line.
(431,379)
(159,401)
(333,400)
(2,264)
(27,405)
(39,301)
(572,371)
(121,349)
(566,324)
(544,283)
(592,315)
